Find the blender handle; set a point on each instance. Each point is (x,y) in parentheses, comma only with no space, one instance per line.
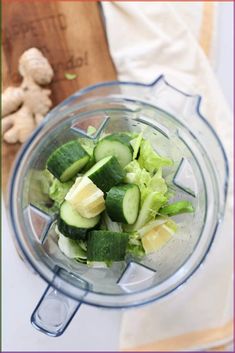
(54,312)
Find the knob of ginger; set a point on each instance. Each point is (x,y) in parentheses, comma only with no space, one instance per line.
(25,106)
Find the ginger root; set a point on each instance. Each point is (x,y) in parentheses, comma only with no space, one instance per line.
(24,107)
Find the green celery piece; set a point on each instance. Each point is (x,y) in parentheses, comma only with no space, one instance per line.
(177,208)
(151,205)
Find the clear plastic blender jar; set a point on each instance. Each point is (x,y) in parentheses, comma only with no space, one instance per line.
(173,124)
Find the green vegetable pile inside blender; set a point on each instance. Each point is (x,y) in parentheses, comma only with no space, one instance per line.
(111,199)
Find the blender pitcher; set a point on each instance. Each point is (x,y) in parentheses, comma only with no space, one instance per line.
(171,121)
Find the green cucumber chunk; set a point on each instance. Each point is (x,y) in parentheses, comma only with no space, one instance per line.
(106,173)
(71,231)
(117,145)
(72,225)
(106,246)
(122,203)
(67,160)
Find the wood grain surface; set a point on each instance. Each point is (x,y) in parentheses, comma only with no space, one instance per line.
(69,33)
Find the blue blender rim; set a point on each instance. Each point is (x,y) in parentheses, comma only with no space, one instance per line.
(37,131)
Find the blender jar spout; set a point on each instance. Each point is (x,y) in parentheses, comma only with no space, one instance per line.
(173,100)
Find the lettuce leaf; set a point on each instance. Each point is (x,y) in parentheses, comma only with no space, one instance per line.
(177,208)
(157,184)
(58,191)
(71,248)
(150,160)
(87,144)
(153,202)
(135,248)
(147,184)
(135,143)
(107,223)
(37,184)
(153,192)
(136,251)
(138,176)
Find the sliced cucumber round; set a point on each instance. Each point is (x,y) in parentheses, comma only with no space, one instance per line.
(66,161)
(72,225)
(117,145)
(123,202)
(106,246)
(106,173)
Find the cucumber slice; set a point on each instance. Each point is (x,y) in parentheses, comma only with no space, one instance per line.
(117,145)
(122,203)
(72,225)
(106,173)
(150,205)
(71,231)
(106,246)
(66,161)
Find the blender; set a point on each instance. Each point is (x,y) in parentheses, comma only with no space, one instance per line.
(172,122)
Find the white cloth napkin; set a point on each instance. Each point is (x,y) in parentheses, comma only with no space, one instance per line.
(147,39)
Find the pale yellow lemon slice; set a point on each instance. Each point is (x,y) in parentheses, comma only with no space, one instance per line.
(157,237)
(86,198)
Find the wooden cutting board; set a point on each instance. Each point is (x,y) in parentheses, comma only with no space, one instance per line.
(69,33)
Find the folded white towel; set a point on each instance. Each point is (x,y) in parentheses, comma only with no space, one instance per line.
(147,40)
